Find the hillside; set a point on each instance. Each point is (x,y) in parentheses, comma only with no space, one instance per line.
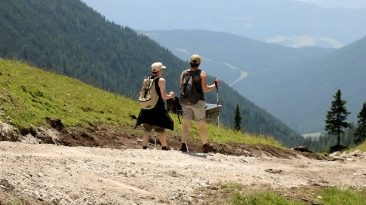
(72,39)
(104,163)
(69,38)
(361,147)
(240,61)
(29,95)
(88,116)
(296,85)
(313,85)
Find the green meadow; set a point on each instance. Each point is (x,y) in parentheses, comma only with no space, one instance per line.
(29,95)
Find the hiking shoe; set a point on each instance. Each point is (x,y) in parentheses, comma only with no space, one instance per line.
(144,147)
(207,148)
(166,148)
(184,147)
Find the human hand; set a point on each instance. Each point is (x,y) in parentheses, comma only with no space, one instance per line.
(217,82)
(172,94)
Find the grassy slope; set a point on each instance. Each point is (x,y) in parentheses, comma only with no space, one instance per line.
(29,95)
(361,147)
(327,196)
(236,194)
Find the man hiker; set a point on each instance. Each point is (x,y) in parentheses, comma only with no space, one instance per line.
(157,118)
(193,84)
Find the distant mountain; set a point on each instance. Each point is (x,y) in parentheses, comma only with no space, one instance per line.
(295,84)
(284,22)
(72,39)
(309,88)
(232,57)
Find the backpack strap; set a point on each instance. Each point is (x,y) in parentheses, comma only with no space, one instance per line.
(154,79)
(187,79)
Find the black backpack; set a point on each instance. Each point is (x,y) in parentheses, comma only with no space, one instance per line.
(174,106)
(188,92)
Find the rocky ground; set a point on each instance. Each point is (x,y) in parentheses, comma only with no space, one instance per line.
(33,173)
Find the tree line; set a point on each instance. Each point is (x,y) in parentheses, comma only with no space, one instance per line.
(340,134)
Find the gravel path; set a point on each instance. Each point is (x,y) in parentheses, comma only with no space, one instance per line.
(84,175)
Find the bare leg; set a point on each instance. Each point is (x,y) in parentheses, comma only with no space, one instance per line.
(203,131)
(162,137)
(145,140)
(186,125)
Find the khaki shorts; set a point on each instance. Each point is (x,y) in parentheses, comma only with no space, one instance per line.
(148,128)
(195,112)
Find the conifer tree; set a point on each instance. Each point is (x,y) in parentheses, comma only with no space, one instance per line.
(336,117)
(360,134)
(237,125)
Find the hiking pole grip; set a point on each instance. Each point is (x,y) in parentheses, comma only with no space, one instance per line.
(218,115)
(217,93)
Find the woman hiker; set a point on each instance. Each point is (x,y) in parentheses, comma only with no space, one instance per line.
(157,118)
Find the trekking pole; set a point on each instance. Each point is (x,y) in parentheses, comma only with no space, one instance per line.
(218,115)
(155,138)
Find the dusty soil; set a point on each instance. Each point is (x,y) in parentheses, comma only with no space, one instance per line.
(109,136)
(102,165)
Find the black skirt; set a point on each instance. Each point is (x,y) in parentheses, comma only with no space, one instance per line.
(157,116)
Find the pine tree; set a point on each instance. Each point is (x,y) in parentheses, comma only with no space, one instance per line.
(360,134)
(336,116)
(237,125)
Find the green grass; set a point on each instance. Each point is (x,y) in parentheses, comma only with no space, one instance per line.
(361,147)
(239,195)
(261,198)
(345,197)
(235,196)
(13,203)
(29,95)
(228,135)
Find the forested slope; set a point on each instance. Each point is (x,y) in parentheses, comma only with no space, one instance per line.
(72,39)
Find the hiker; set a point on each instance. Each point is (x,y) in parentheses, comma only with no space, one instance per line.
(193,84)
(157,118)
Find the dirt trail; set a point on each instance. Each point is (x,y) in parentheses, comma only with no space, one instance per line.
(85,175)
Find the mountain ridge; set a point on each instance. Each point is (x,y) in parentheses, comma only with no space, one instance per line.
(293,23)
(277,78)
(234,49)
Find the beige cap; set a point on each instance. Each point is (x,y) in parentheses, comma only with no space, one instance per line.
(195,58)
(157,66)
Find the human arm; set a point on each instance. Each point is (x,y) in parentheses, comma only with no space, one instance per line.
(181,79)
(205,86)
(164,95)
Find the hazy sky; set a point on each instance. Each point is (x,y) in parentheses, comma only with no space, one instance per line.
(289,27)
(352,4)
